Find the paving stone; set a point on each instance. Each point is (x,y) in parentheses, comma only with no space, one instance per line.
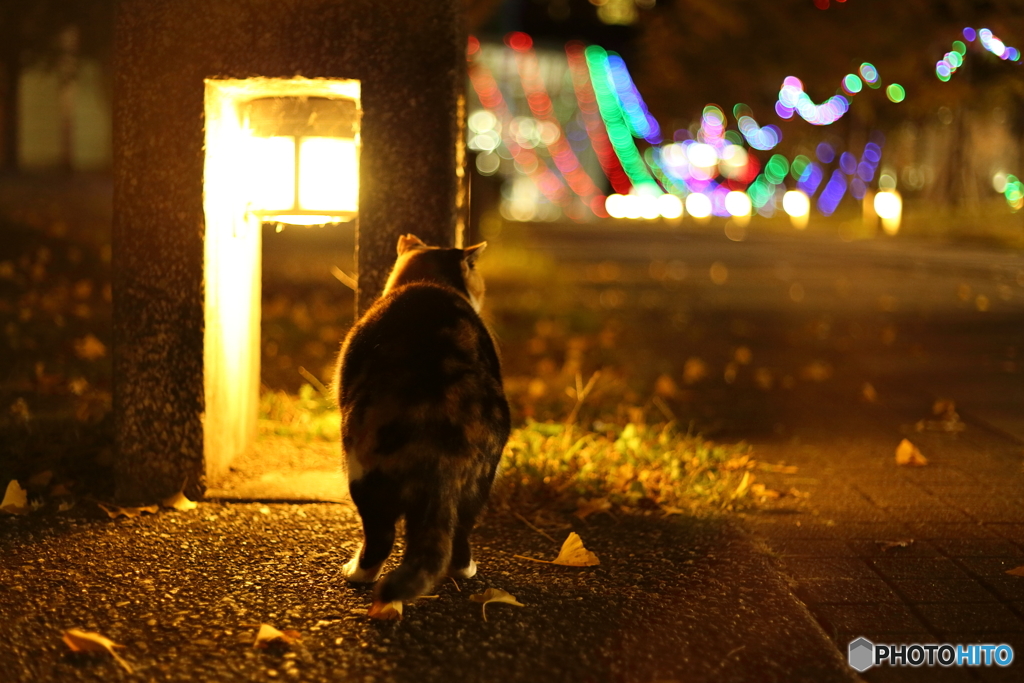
(1014,532)
(879,618)
(1007,587)
(883,548)
(952,531)
(944,514)
(990,566)
(955,620)
(979,547)
(827,568)
(871,531)
(917,568)
(943,590)
(846,591)
(811,547)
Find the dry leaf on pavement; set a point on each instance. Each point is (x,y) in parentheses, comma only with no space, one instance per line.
(494,595)
(1016,571)
(572,554)
(889,545)
(907,454)
(385,611)
(115,511)
(179,502)
(84,641)
(15,499)
(268,634)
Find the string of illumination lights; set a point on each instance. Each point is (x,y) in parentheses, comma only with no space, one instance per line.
(539,102)
(613,114)
(527,161)
(954,59)
(596,131)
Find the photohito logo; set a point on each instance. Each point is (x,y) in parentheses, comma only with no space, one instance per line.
(863,654)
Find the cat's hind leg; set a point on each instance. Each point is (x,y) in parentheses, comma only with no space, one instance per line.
(462,565)
(377,498)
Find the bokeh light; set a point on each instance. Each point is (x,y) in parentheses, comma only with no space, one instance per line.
(895,92)
(738,204)
(798,206)
(698,205)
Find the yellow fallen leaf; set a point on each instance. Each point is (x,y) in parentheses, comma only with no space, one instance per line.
(741,488)
(494,595)
(907,454)
(868,392)
(15,499)
(179,502)
(1016,571)
(385,611)
(572,554)
(268,634)
(115,511)
(85,641)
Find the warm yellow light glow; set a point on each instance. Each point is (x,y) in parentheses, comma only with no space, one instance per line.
(244,173)
(271,172)
(698,205)
(670,206)
(328,174)
(797,204)
(738,204)
(648,206)
(613,204)
(889,207)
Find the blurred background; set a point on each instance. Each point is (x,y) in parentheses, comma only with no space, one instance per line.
(709,201)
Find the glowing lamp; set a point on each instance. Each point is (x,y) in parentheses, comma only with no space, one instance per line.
(889,207)
(304,158)
(798,206)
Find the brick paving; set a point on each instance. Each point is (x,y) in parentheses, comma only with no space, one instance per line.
(900,554)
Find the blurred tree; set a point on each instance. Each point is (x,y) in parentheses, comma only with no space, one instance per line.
(50,32)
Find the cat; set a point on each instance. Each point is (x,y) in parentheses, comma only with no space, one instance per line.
(424,419)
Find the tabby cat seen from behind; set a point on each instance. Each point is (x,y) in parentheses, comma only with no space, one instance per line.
(424,418)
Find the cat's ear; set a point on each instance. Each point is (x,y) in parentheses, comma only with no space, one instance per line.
(410,241)
(471,254)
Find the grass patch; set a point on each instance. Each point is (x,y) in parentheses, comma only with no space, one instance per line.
(633,465)
(555,465)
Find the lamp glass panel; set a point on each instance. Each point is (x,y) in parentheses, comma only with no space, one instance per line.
(328,174)
(272,169)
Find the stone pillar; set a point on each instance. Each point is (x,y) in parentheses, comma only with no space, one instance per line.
(409,59)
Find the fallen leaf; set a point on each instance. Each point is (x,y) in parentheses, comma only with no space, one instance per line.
(115,511)
(15,499)
(1016,571)
(84,641)
(586,507)
(889,545)
(777,467)
(385,611)
(494,595)
(572,554)
(179,502)
(90,348)
(907,454)
(268,634)
(868,393)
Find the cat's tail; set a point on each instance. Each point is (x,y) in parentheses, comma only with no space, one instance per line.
(430,519)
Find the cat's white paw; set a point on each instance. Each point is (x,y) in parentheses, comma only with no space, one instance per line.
(356,574)
(467,572)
